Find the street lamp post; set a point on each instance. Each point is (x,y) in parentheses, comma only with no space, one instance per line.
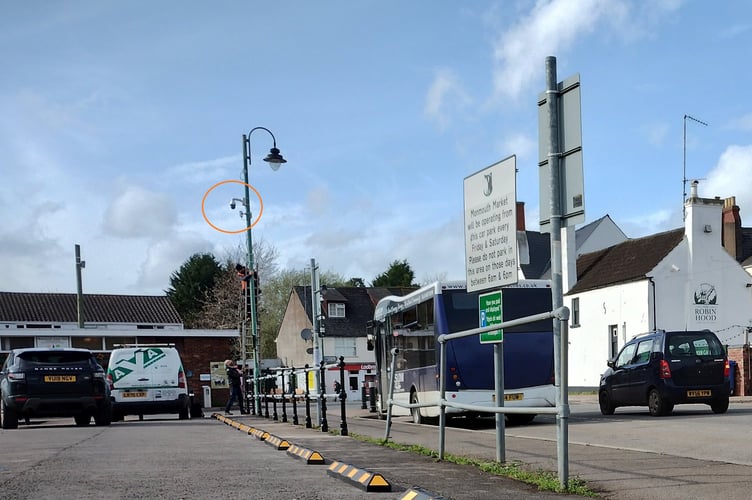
(275,160)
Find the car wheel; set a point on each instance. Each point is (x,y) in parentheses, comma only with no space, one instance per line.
(82,420)
(417,418)
(184,413)
(520,418)
(658,405)
(10,418)
(720,405)
(607,406)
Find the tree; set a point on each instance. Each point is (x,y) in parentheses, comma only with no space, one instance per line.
(398,274)
(356,283)
(191,285)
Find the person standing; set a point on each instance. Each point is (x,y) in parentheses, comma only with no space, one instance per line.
(234,380)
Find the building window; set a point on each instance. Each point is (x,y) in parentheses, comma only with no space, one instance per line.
(17,342)
(575,313)
(90,343)
(336,310)
(344,346)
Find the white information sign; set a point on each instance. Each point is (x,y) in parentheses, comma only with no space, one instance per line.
(491,226)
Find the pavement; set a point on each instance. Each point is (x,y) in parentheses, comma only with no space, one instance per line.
(612,472)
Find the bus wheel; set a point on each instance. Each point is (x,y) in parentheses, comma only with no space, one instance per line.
(417,418)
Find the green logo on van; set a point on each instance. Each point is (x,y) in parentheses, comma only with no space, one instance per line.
(151,356)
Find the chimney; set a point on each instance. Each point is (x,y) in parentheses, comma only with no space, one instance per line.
(521,216)
(731,230)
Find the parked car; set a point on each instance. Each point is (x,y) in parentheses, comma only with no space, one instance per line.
(661,369)
(39,382)
(147,379)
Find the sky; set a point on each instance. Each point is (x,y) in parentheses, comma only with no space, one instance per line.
(118,118)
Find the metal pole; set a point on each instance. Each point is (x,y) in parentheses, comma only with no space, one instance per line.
(322,399)
(391,395)
(499,394)
(293,388)
(442,397)
(342,397)
(557,293)
(80,264)
(250,269)
(315,305)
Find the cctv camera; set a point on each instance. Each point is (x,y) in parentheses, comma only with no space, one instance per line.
(232,204)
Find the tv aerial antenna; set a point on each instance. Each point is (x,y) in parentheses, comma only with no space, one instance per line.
(684,175)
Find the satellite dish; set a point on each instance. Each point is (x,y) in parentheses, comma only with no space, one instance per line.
(306,334)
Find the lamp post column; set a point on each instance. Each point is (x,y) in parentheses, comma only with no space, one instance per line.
(251,282)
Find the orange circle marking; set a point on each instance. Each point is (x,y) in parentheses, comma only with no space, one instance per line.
(233,181)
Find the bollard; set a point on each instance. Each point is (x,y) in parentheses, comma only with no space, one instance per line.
(284,399)
(275,415)
(294,399)
(266,404)
(322,396)
(342,397)
(307,401)
(363,397)
(372,397)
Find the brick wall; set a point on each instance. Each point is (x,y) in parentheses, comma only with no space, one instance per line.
(743,376)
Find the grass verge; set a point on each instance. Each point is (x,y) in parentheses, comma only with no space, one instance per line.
(543,480)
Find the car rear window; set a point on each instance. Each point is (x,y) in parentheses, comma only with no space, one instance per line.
(695,344)
(55,357)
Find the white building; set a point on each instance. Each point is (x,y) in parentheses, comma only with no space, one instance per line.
(676,280)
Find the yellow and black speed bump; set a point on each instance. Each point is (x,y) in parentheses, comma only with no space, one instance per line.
(311,457)
(279,443)
(244,428)
(369,481)
(259,434)
(416,493)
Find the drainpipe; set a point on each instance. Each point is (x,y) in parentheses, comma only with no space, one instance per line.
(655,309)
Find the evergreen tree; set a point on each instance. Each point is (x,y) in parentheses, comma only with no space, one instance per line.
(398,274)
(191,286)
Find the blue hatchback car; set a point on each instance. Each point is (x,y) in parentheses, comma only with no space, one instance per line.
(661,369)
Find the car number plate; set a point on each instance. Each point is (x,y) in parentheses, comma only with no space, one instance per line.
(515,396)
(59,378)
(139,394)
(699,394)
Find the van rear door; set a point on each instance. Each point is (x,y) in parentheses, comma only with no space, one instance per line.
(137,373)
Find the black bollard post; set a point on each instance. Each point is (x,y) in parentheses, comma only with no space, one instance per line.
(342,397)
(275,415)
(322,389)
(293,388)
(266,404)
(363,404)
(284,398)
(307,401)
(372,397)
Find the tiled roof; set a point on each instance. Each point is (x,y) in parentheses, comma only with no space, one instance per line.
(358,309)
(61,308)
(625,262)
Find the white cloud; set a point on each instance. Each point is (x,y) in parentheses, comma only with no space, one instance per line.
(444,96)
(742,123)
(730,176)
(551,27)
(656,133)
(137,213)
(521,145)
(165,256)
(204,171)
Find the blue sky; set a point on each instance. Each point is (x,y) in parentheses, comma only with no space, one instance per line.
(119,116)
